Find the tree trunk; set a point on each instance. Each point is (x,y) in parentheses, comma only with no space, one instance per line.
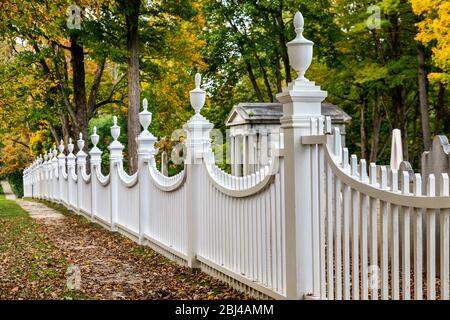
(79,125)
(376,124)
(132,11)
(251,75)
(363,129)
(441,111)
(401,118)
(423,96)
(276,63)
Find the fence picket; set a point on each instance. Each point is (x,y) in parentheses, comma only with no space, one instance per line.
(431,242)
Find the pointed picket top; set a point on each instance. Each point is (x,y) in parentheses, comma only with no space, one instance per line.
(55,152)
(50,154)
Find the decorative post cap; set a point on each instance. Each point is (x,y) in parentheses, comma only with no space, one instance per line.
(45,157)
(50,154)
(80,142)
(70,146)
(300,50)
(197,95)
(115,129)
(145,116)
(55,152)
(115,147)
(94,137)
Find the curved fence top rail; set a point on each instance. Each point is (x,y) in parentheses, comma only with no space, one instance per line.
(103,180)
(239,187)
(385,186)
(127,180)
(165,183)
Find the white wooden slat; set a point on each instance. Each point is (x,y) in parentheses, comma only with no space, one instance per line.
(395,253)
(322,211)
(364,226)
(373,235)
(346,244)
(418,245)
(355,230)
(384,258)
(445,238)
(338,238)
(431,242)
(406,269)
(315,211)
(330,246)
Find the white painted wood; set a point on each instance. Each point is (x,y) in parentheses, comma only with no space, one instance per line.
(431,242)
(395,251)
(374,233)
(406,250)
(364,237)
(418,244)
(384,259)
(444,240)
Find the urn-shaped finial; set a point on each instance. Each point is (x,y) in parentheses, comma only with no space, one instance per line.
(145,116)
(45,156)
(115,129)
(61,146)
(50,154)
(55,153)
(80,142)
(94,137)
(70,146)
(300,50)
(197,96)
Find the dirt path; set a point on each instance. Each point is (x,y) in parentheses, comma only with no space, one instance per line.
(9,195)
(113,267)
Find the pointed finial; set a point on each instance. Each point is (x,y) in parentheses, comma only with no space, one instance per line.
(145,104)
(95,130)
(70,140)
(61,142)
(81,136)
(198,79)
(115,120)
(299,22)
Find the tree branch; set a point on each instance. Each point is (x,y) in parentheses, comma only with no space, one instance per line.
(96,85)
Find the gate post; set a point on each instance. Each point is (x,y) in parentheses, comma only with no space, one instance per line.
(301,101)
(197,144)
(146,153)
(115,161)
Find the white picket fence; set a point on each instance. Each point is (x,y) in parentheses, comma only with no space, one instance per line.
(312,224)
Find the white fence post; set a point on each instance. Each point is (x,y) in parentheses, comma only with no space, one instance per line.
(70,172)
(115,158)
(96,160)
(301,101)
(81,164)
(62,169)
(56,190)
(146,152)
(197,143)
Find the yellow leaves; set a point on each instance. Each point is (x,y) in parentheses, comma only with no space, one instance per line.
(435,27)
